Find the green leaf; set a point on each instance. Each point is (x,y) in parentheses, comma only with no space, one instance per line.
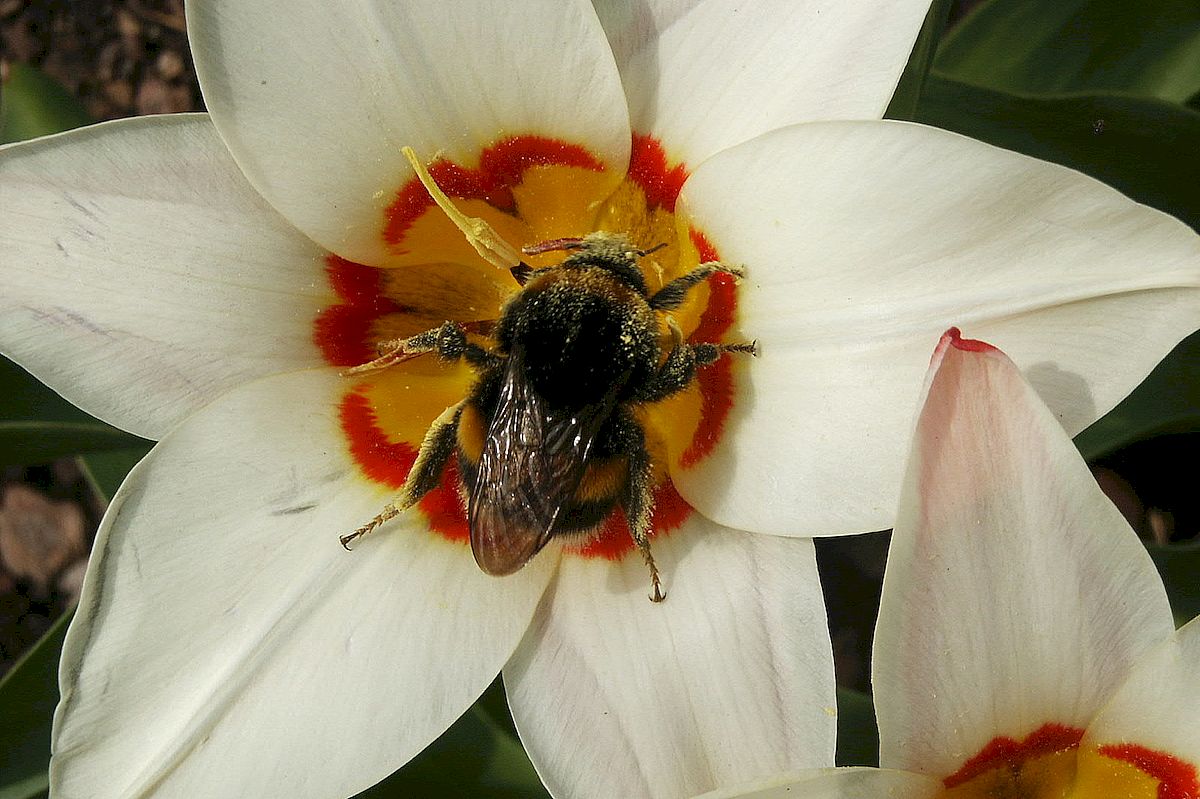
(904,100)
(24,442)
(1168,401)
(1150,48)
(105,471)
(1145,148)
(37,425)
(1179,565)
(28,694)
(857,732)
(475,757)
(33,104)
(33,788)
(494,703)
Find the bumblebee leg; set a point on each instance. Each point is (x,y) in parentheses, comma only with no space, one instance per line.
(425,474)
(449,341)
(672,295)
(707,354)
(639,499)
(679,369)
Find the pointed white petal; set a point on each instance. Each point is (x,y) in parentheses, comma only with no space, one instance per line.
(837,783)
(705,76)
(143,276)
(862,243)
(226,645)
(729,679)
(315,103)
(1158,707)
(1016,595)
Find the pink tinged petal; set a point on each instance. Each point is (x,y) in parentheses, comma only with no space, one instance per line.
(730,679)
(862,243)
(1016,595)
(143,276)
(837,783)
(705,76)
(1158,707)
(315,103)
(226,645)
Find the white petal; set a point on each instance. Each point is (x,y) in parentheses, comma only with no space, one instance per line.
(143,276)
(703,76)
(226,645)
(863,242)
(1159,705)
(730,679)
(837,783)
(1016,595)
(317,101)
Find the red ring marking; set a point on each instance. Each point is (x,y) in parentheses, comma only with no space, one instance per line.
(1176,778)
(501,167)
(1009,753)
(650,170)
(716,381)
(384,461)
(343,332)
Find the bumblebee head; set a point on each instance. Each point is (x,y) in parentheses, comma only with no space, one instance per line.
(613,252)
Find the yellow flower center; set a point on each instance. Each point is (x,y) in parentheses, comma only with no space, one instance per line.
(528,190)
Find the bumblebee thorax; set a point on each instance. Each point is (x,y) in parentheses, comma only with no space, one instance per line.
(582,331)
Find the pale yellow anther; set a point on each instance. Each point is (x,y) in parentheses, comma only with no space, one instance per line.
(486,241)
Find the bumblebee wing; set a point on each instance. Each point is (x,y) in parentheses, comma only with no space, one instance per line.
(532,462)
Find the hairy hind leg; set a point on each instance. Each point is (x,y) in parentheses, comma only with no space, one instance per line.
(638,502)
(426,472)
(638,509)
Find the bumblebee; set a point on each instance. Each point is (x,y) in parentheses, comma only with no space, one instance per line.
(547,440)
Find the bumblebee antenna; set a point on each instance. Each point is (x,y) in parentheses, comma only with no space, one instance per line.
(486,241)
(553,245)
(651,251)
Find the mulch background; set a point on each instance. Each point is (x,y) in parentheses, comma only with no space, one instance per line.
(119,57)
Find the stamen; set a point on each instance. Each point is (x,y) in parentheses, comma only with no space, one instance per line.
(486,241)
